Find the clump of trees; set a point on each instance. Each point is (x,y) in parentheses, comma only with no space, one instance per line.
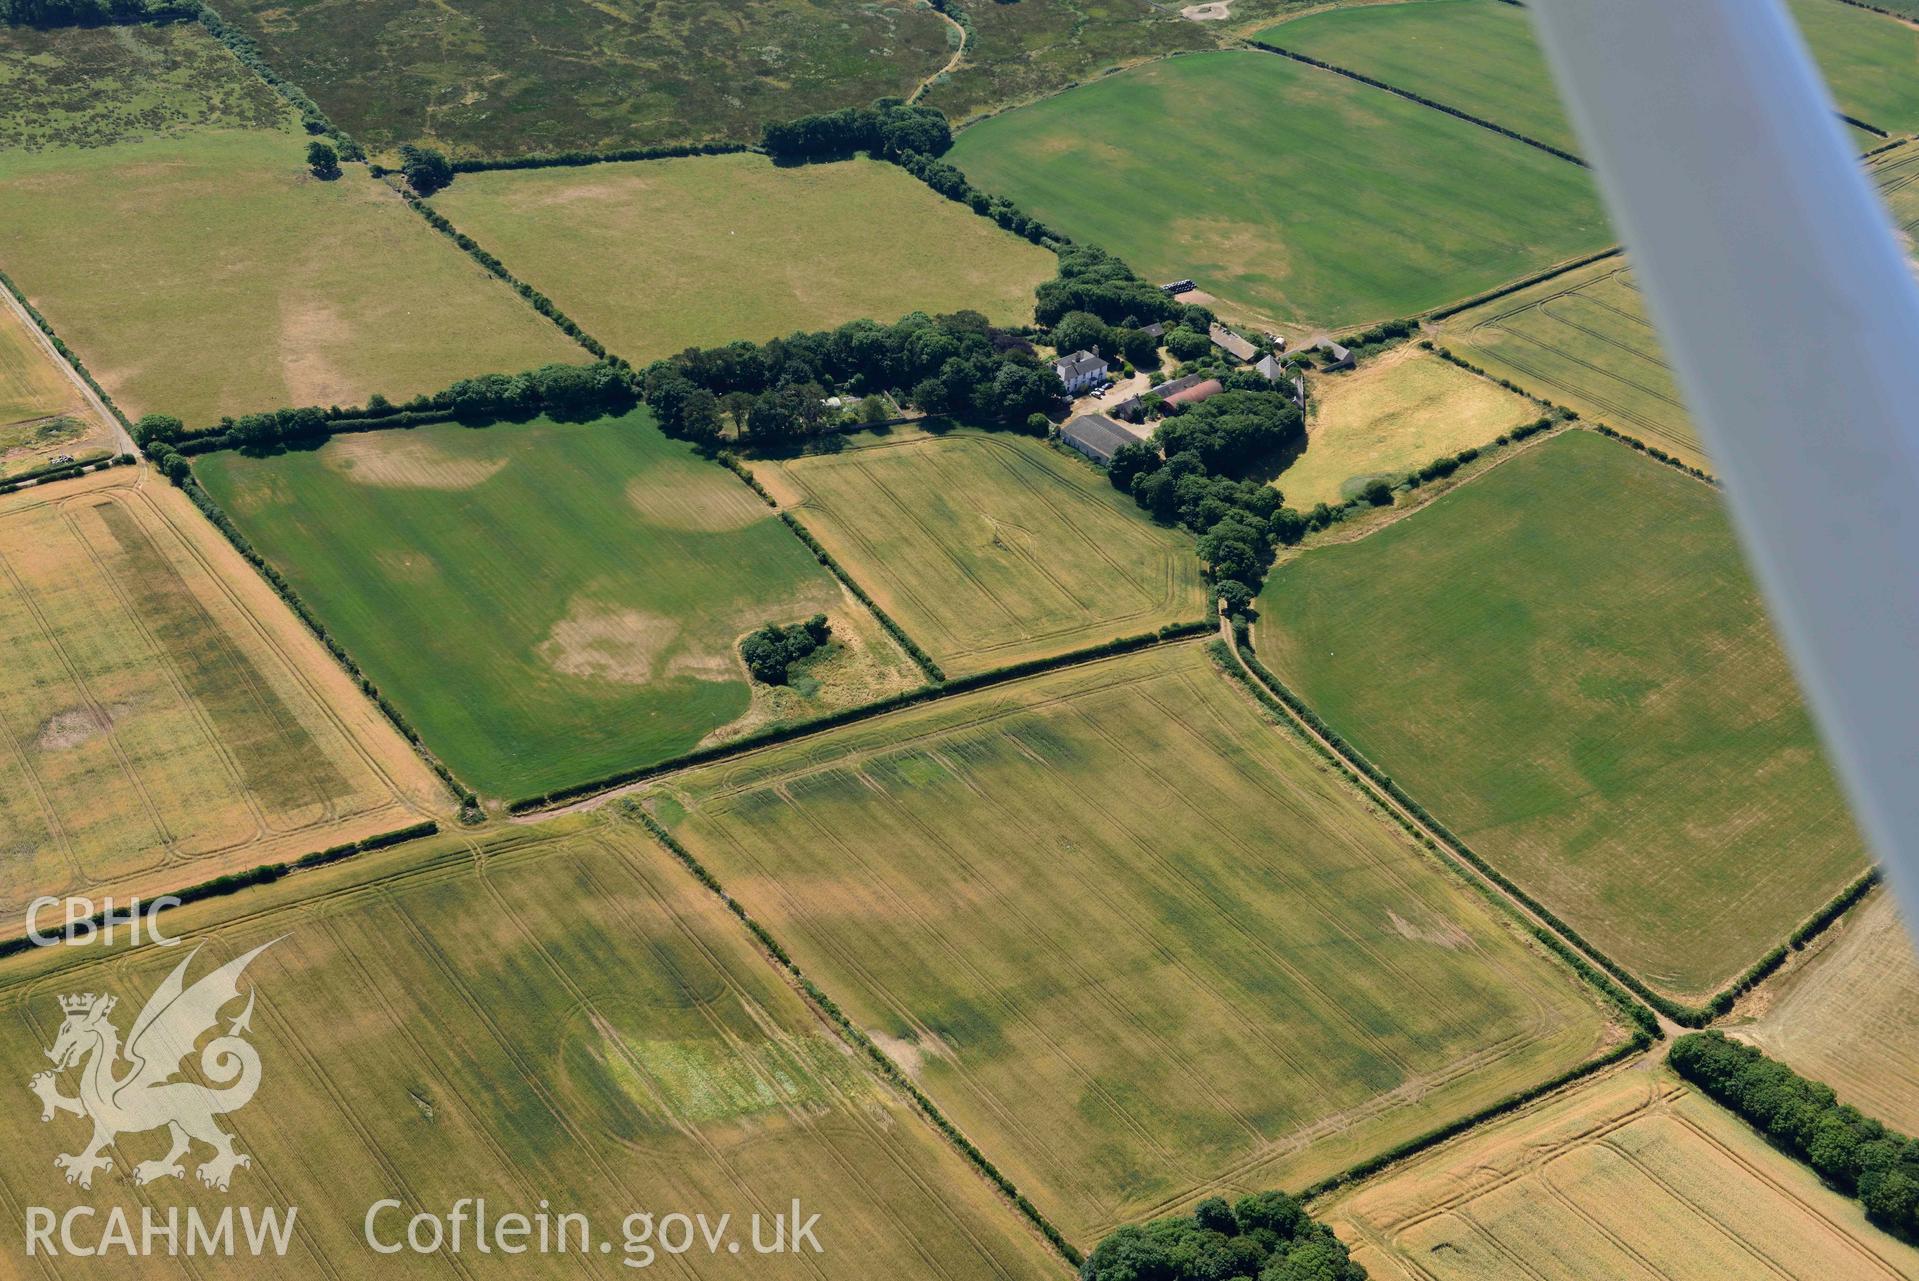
(1850,1150)
(773,649)
(1268,1236)
(1201,470)
(425,170)
(775,392)
(1093,281)
(323,160)
(888,129)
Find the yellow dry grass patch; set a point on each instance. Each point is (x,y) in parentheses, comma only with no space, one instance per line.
(1391,416)
(399,460)
(163,717)
(42,413)
(1632,1176)
(680,495)
(1849,1014)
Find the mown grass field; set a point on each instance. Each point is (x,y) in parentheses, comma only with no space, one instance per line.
(1633,1175)
(94,86)
(1390,207)
(200,270)
(1478,56)
(1869,59)
(990,549)
(163,718)
(547,603)
(1026,50)
(1131,936)
(1391,416)
(500,78)
(655,257)
(1566,662)
(1849,1014)
(558,1017)
(1582,340)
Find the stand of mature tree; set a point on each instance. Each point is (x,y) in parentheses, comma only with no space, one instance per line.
(776,391)
(888,129)
(1205,481)
(773,649)
(1093,281)
(92,13)
(1849,1149)
(1267,1236)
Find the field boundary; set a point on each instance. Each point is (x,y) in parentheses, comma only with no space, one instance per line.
(65,352)
(1422,100)
(1524,282)
(1690,1016)
(923,660)
(1172,633)
(533,297)
(259,874)
(216,516)
(891,1071)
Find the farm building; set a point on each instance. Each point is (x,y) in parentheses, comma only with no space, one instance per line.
(1231,343)
(1096,436)
(1270,368)
(1155,330)
(1193,395)
(1132,409)
(1337,357)
(1171,385)
(1080,370)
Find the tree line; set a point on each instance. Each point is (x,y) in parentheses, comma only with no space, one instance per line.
(92,13)
(1850,1150)
(888,129)
(568,392)
(1268,1236)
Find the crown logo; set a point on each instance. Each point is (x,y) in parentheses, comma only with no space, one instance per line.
(81,1002)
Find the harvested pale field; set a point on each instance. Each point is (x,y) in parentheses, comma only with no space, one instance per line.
(1633,1177)
(1582,340)
(660,255)
(557,1019)
(584,587)
(200,270)
(1848,1014)
(1133,937)
(163,717)
(989,549)
(1565,661)
(42,412)
(1390,417)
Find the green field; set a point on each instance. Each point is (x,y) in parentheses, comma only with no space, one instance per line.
(1133,938)
(1021,51)
(200,270)
(1582,340)
(495,77)
(583,586)
(555,1019)
(1478,56)
(163,718)
(989,549)
(1566,662)
(1293,195)
(94,86)
(655,257)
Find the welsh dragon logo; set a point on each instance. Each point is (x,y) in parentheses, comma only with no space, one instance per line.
(132,1088)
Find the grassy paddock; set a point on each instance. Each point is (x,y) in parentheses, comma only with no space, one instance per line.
(656,256)
(1389,207)
(990,549)
(1868,58)
(1048,901)
(507,77)
(559,1014)
(585,586)
(1848,1014)
(42,413)
(1389,417)
(1565,661)
(1582,340)
(1632,1175)
(164,719)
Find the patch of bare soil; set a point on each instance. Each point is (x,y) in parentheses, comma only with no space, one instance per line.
(1440,933)
(71,728)
(619,645)
(405,460)
(1217,11)
(308,330)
